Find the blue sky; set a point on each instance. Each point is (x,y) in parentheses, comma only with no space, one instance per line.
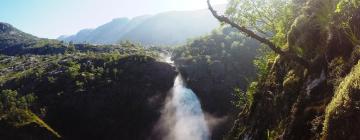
(52,18)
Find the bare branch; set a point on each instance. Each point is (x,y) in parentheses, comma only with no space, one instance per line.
(253,35)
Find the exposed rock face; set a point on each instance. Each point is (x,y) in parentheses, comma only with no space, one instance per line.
(213,84)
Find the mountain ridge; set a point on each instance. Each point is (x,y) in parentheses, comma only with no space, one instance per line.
(167,28)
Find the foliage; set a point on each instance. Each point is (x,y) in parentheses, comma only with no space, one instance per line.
(291,80)
(250,93)
(241,98)
(338,67)
(10,101)
(72,69)
(270,18)
(345,11)
(224,46)
(85,85)
(263,61)
(325,33)
(344,102)
(245,99)
(15,110)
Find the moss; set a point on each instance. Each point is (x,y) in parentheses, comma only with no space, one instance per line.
(355,55)
(310,30)
(250,93)
(337,70)
(343,4)
(343,111)
(291,80)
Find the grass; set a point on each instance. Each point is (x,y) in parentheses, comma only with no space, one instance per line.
(41,123)
(25,117)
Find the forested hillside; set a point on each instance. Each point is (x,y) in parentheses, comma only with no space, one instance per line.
(81,92)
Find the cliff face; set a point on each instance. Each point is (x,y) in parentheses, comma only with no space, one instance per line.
(215,67)
(290,102)
(92,98)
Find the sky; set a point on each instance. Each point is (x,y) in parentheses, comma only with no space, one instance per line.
(52,18)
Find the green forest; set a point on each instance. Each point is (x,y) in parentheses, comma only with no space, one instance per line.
(271,70)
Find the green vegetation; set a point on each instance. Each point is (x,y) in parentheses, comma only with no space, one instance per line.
(249,96)
(74,87)
(291,80)
(223,45)
(344,9)
(316,102)
(224,56)
(271,18)
(223,63)
(299,81)
(345,102)
(264,61)
(15,110)
(10,101)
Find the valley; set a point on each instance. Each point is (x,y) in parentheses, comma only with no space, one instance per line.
(250,70)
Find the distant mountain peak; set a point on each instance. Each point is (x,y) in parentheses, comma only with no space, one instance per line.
(168,28)
(5,27)
(10,32)
(122,19)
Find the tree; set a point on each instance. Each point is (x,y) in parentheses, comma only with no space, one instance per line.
(258,19)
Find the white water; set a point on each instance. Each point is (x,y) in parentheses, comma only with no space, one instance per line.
(182,117)
(190,121)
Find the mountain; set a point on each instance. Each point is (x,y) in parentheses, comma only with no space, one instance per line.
(16,42)
(50,90)
(9,35)
(167,28)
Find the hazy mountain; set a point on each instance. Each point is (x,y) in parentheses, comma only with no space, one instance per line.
(16,42)
(167,28)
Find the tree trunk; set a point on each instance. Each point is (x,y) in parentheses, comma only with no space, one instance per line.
(263,40)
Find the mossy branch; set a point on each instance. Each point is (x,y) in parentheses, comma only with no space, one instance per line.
(263,40)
